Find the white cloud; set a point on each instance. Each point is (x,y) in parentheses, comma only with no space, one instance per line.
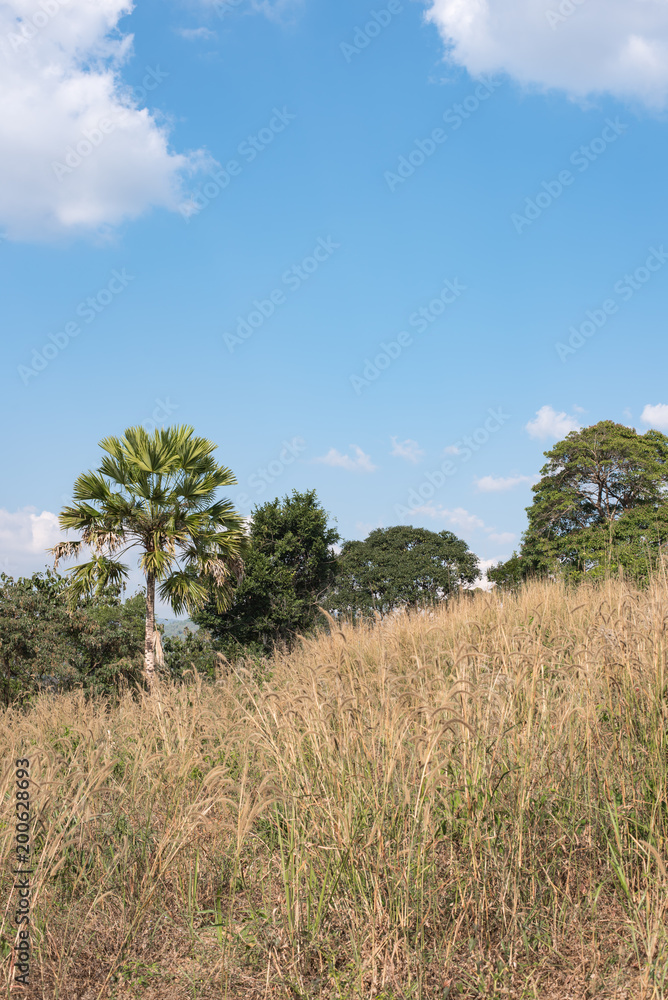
(501,537)
(451,449)
(196,34)
(24,537)
(499,484)
(465,521)
(274,10)
(410,450)
(656,416)
(61,172)
(483,583)
(618,47)
(360,463)
(549,424)
(459,517)
(366,527)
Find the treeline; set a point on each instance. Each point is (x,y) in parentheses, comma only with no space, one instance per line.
(292,572)
(600,507)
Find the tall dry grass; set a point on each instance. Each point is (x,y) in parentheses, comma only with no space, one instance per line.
(470,802)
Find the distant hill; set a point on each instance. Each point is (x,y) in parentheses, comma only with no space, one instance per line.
(175,629)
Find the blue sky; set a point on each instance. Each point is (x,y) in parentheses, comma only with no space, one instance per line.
(503,171)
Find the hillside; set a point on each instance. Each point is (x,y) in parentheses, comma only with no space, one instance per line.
(465,803)
(176,628)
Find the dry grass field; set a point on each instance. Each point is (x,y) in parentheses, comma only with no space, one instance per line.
(466,803)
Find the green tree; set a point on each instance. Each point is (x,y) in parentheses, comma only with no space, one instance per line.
(45,643)
(288,568)
(601,504)
(35,634)
(156,493)
(193,649)
(400,567)
(509,574)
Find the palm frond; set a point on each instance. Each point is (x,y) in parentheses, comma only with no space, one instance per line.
(91,486)
(94,577)
(158,491)
(185,591)
(64,550)
(157,563)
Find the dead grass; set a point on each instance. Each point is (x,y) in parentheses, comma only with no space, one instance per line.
(468,803)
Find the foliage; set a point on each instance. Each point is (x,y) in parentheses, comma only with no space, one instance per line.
(400,567)
(509,574)
(600,506)
(45,643)
(192,650)
(157,493)
(288,568)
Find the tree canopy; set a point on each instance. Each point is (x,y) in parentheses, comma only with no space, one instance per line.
(400,567)
(601,504)
(45,643)
(288,567)
(156,493)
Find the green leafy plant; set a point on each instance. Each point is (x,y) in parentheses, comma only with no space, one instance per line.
(156,493)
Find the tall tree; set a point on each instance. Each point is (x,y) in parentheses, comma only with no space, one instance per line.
(289,566)
(400,567)
(602,503)
(156,493)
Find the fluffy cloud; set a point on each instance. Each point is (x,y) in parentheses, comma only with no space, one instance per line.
(483,583)
(465,521)
(360,463)
(274,10)
(549,424)
(25,536)
(656,416)
(410,450)
(80,153)
(582,47)
(499,484)
(196,34)
(501,537)
(458,517)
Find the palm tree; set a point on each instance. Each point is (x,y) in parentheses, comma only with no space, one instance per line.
(156,492)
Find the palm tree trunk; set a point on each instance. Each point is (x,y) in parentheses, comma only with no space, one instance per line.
(149,642)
